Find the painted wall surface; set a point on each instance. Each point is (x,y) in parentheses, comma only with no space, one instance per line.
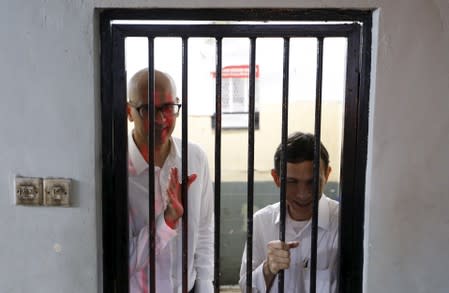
(49,108)
(234,151)
(49,76)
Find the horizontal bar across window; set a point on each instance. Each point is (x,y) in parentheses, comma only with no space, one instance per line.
(246,14)
(236,31)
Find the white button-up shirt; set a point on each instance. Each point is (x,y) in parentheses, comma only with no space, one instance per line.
(168,241)
(297,277)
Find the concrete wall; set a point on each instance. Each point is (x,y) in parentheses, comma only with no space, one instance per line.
(49,76)
(49,108)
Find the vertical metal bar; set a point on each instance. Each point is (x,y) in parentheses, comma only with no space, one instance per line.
(185,272)
(217,164)
(151,195)
(353,155)
(110,268)
(250,202)
(283,166)
(316,166)
(362,39)
(120,201)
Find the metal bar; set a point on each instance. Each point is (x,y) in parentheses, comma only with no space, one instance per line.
(283,166)
(119,151)
(255,14)
(250,202)
(353,153)
(362,52)
(230,30)
(217,164)
(108,210)
(316,166)
(185,231)
(151,189)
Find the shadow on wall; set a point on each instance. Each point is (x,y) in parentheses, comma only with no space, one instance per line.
(233,221)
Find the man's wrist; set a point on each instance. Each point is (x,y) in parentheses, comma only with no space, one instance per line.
(268,275)
(266,269)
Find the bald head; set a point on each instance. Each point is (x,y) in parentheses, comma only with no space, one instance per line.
(165,105)
(138,85)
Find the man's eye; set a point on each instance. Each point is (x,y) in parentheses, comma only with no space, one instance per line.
(167,108)
(143,111)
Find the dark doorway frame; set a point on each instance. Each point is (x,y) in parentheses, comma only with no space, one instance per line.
(114,207)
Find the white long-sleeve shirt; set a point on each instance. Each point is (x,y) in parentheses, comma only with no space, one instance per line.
(169,241)
(297,278)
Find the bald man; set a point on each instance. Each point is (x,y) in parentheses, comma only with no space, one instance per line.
(168,199)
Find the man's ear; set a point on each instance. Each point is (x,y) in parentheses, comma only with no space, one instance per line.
(128,111)
(276,178)
(328,172)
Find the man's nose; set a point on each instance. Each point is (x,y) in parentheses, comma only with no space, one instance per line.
(303,191)
(159,117)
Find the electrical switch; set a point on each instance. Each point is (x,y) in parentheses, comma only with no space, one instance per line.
(57,192)
(28,191)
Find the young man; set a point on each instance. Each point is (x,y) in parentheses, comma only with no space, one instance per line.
(168,199)
(271,255)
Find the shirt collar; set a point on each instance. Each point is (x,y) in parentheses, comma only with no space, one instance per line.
(323,213)
(136,162)
(175,151)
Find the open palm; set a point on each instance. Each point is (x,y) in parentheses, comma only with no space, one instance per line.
(175,209)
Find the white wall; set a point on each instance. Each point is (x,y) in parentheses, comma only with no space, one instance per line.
(49,108)
(49,76)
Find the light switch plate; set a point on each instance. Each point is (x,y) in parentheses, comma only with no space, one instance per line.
(57,192)
(28,191)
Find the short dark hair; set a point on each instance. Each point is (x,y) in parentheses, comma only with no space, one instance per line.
(300,148)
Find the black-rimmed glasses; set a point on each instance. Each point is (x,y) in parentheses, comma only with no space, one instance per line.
(168,109)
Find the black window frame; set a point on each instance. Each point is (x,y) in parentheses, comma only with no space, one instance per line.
(113,115)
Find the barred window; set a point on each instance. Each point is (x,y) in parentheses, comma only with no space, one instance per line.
(237,105)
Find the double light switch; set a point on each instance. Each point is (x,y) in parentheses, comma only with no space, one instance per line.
(38,191)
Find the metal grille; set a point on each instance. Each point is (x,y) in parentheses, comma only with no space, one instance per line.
(114,132)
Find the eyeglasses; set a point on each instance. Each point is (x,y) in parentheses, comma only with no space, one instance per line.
(168,109)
